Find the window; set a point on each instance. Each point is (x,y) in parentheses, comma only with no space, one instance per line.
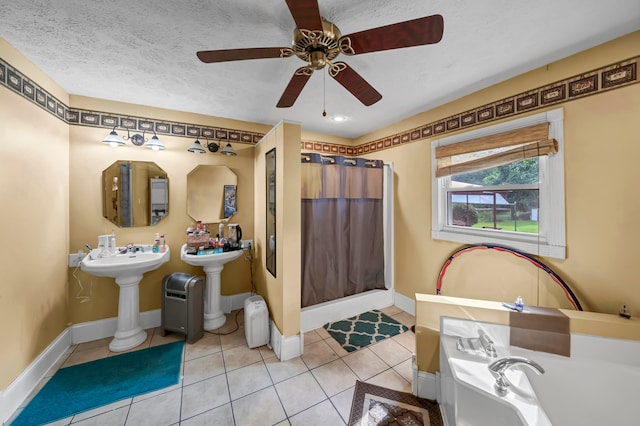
(502,184)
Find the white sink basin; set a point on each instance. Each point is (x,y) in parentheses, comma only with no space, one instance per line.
(122,265)
(212,260)
(212,264)
(127,269)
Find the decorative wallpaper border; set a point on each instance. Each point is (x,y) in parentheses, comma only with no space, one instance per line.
(19,83)
(589,83)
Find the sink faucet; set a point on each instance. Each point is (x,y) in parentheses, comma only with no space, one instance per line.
(497,368)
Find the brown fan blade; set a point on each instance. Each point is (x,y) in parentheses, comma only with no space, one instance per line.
(354,83)
(209,56)
(295,86)
(417,32)
(306,14)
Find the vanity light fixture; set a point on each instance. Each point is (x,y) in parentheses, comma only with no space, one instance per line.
(137,139)
(212,146)
(154,143)
(196,148)
(113,139)
(228,150)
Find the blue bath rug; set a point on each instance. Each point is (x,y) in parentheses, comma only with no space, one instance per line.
(357,332)
(83,387)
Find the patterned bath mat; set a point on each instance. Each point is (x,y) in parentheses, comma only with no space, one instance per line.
(376,406)
(357,332)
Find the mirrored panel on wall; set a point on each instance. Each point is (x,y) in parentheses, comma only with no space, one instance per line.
(135,193)
(211,193)
(270,170)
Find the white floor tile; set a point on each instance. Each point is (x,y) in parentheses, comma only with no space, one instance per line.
(163,409)
(342,402)
(249,379)
(334,377)
(322,414)
(224,382)
(299,393)
(260,408)
(280,371)
(365,363)
(204,396)
(391,352)
(221,416)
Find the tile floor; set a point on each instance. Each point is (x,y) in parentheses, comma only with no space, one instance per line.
(226,383)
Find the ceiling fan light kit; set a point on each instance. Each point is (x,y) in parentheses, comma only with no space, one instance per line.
(318,42)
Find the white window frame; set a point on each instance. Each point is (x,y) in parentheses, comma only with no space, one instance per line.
(551,238)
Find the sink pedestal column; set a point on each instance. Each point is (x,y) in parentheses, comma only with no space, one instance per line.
(213,315)
(129,333)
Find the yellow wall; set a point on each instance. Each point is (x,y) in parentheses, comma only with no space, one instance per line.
(88,158)
(34,171)
(281,292)
(601,176)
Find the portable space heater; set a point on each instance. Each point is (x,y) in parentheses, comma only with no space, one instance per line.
(256,321)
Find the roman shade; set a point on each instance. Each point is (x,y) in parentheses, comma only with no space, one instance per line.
(494,150)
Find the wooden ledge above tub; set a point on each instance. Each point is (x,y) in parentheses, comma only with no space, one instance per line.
(540,329)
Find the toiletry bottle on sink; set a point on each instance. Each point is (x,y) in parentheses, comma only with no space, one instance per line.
(156,243)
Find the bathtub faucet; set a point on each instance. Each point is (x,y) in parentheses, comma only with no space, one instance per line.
(487,344)
(497,368)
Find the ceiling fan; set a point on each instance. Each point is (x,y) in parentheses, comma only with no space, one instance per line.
(318,42)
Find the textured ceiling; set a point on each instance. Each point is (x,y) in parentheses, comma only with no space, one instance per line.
(143,52)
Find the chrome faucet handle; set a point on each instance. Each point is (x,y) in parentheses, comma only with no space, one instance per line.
(487,344)
(498,368)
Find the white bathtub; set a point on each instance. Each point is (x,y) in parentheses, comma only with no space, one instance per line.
(603,389)
(598,385)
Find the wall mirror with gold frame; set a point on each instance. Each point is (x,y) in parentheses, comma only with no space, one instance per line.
(207,188)
(134,193)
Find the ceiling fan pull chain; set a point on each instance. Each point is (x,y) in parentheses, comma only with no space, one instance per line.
(324,95)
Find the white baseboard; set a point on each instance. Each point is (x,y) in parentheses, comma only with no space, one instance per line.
(285,348)
(94,330)
(407,304)
(316,316)
(233,302)
(19,390)
(425,385)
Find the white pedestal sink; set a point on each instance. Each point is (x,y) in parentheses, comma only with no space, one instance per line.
(127,269)
(212,264)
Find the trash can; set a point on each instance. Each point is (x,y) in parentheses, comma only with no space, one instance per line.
(256,321)
(183,305)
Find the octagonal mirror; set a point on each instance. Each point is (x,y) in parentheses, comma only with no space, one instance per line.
(135,193)
(211,193)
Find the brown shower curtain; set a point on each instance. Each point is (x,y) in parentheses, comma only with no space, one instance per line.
(342,228)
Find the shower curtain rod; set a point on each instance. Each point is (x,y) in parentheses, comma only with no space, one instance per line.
(352,161)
